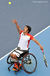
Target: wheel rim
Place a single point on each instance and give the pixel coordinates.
(29, 67)
(9, 60)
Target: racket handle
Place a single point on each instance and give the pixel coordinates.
(45, 61)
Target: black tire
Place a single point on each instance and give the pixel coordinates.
(9, 60)
(24, 68)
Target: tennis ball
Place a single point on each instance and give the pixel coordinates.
(9, 3)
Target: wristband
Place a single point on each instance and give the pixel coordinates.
(43, 52)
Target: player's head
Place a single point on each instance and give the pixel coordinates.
(27, 29)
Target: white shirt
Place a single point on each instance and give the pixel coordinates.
(24, 40)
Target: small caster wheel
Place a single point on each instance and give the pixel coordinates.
(15, 72)
(8, 69)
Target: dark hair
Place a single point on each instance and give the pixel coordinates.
(29, 28)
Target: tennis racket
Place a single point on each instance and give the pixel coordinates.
(45, 61)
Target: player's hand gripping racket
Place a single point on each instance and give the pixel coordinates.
(45, 61)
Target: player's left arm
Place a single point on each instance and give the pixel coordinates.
(37, 43)
(41, 49)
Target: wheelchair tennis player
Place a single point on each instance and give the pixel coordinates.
(23, 44)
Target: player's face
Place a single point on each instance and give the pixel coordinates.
(25, 30)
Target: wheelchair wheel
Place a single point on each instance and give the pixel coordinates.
(9, 59)
(29, 63)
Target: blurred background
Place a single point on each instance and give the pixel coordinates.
(35, 13)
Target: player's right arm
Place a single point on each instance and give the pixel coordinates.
(18, 27)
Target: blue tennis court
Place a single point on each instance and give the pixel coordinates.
(44, 38)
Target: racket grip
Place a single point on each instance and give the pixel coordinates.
(45, 61)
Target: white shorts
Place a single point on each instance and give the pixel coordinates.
(18, 53)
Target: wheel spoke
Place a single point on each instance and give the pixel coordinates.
(29, 67)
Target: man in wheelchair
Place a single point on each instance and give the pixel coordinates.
(17, 54)
(23, 44)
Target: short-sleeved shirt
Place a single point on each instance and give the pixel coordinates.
(24, 40)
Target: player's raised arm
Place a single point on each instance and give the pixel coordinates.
(18, 27)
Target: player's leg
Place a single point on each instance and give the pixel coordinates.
(13, 56)
(17, 65)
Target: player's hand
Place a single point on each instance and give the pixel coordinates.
(41, 47)
(14, 21)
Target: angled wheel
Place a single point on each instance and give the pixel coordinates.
(29, 63)
(9, 59)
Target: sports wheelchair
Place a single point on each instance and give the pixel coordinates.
(28, 61)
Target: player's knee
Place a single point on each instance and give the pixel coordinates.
(15, 56)
(11, 54)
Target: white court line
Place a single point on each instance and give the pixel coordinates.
(42, 31)
(34, 36)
